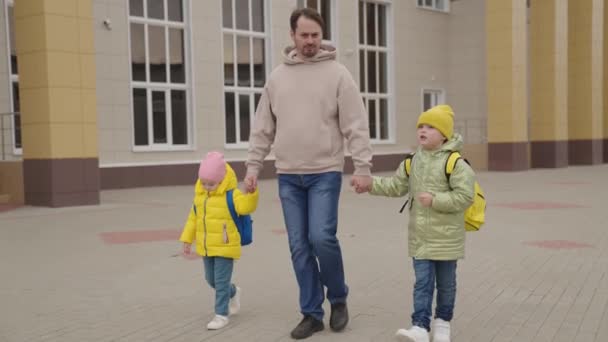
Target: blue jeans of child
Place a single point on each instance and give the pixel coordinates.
(428, 273)
(218, 272)
(310, 210)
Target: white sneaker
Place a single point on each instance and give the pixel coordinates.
(235, 302)
(441, 330)
(218, 322)
(413, 334)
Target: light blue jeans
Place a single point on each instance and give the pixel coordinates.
(428, 273)
(218, 272)
(310, 210)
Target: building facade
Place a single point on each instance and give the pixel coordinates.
(125, 93)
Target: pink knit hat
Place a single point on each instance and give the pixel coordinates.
(213, 167)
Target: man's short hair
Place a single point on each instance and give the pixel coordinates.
(308, 13)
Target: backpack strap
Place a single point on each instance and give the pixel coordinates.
(231, 208)
(450, 163)
(408, 163)
(408, 168)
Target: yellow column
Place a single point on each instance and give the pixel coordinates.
(506, 51)
(605, 88)
(585, 74)
(549, 83)
(56, 55)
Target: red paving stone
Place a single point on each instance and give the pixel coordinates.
(539, 205)
(119, 238)
(558, 244)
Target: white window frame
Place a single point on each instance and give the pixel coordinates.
(13, 78)
(333, 20)
(437, 96)
(388, 96)
(149, 86)
(239, 90)
(434, 6)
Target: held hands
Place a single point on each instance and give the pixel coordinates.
(187, 248)
(425, 198)
(361, 184)
(251, 183)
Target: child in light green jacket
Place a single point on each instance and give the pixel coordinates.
(436, 231)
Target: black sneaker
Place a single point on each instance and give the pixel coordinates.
(339, 317)
(308, 326)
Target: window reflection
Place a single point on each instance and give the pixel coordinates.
(179, 118)
(156, 9)
(157, 53)
(140, 112)
(176, 48)
(138, 52)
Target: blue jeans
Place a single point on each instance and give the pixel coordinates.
(427, 273)
(218, 272)
(310, 210)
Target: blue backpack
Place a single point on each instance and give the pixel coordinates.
(244, 223)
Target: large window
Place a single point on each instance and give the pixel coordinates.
(14, 76)
(326, 10)
(374, 65)
(437, 5)
(245, 61)
(159, 74)
(431, 98)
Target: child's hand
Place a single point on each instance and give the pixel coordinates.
(187, 248)
(425, 198)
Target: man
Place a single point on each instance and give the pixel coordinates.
(310, 105)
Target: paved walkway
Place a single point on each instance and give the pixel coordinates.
(537, 272)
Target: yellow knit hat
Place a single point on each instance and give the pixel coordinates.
(441, 117)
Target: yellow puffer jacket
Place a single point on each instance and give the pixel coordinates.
(211, 225)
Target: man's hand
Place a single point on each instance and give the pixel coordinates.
(251, 183)
(425, 198)
(187, 247)
(361, 184)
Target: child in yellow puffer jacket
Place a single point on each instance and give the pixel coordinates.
(210, 224)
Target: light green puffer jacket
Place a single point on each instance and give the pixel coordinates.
(436, 232)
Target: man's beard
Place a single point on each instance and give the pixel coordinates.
(310, 51)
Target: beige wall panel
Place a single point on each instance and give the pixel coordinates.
(38, 108)
(87, 71)
(61, 7)
(32, 28)
(38, 137)
(36, 75)
(63, 69)
(86, 36)
(65, 105)
(62, 33)
(29, 8)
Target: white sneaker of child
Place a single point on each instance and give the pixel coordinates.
(441, 330)
(218, 322)
(235, 302)
(413, 334)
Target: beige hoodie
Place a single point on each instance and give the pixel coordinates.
(307, 109)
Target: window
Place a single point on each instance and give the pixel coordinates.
(374, 66)
(245, 60)
(431, 98)
(436, 5)
(159, 74)
(14, 76)
(326, 10)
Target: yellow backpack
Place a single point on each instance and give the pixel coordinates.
(475, 215)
